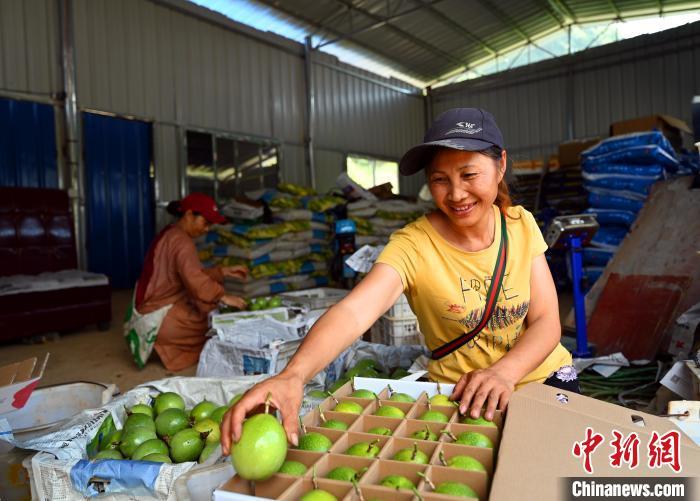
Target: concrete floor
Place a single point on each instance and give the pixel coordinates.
(91, 355)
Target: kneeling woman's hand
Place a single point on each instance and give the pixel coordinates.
(238, 271)
(234, 301)
(479, 387)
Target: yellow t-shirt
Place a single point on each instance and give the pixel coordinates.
(446, 288)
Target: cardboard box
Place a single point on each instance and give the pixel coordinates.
(541, 428)
(671, 127)
(570, 151)
(18, 380)
(533, 454)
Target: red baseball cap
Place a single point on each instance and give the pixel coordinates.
(205, 205)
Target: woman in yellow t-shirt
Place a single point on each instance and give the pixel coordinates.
(445, 263)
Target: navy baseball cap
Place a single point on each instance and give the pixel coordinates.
(468, 129)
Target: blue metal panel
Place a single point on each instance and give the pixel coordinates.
(27, 144)
(119, 190)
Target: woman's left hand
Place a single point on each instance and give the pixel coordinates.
(479, 387)
(239, 271)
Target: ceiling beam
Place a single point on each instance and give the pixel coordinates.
(378, 24)
(614, 8)
(459, 29)
(275, 4)
(561, 20)
(404, 34)
(562, 7)
(505, 19)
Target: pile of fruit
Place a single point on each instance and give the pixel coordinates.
(389, 440)
(256, 304)
(165, 432)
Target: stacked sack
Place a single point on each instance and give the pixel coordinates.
(290, 253)
(376, 220)
(618, 174)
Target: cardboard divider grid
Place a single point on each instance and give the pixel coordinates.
(313, 418)
(348, 439)
(272, 488)
(345, 392)
(331, 461)
(382, 469)
(366, 423)
(484, 456)
(419, 409)
(341, 490)
(497, 420)
(307, 458)
(405, 407)
(410, 426)
(329, 404)
(456, 429)
(397, 444)
(286, 487)
(438, 474)
(333, 435)
(377, 492)
(443, 497)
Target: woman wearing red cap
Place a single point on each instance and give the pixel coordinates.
(474, 273)
(175, 294)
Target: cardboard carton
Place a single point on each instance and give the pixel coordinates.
(18, 380)
(533, 455)
(542, 427)
(570, 151)
(671, 127)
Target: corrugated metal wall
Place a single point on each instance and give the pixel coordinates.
(27, 144)
(152, 60)
(355, 114)
(539, 106)
(29, 46)
(138, 57)
(119, 196)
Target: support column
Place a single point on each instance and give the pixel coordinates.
(310, 113)
(71, 129)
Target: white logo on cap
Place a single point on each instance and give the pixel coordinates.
(465, 128)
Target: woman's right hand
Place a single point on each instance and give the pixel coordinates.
(235, 301)
(287, 391)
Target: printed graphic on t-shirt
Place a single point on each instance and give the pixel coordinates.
(504, 314)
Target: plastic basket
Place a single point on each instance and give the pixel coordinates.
(313, 299)
(400, 331)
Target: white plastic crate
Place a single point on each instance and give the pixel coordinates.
(400, 331)
(314, 299)
(401, 308)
